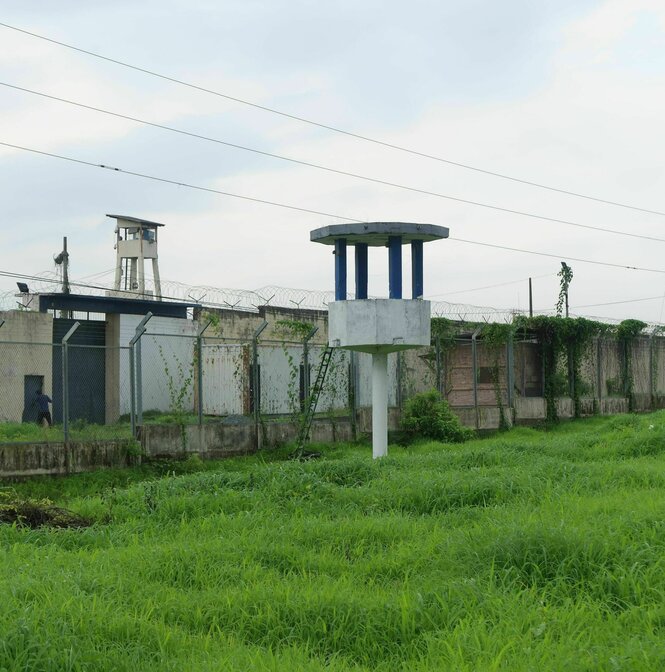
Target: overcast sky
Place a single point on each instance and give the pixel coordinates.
(569, 94)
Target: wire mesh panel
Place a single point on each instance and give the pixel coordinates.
(167, 368)
(280, 378)
(658, 371)
(335, 392)
(588, 375)
(459, 374)
(528, 369)
(610, 368)
(640, 374)
(418, 371)
(225, 368)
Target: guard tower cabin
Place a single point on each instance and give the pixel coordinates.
(136, 241)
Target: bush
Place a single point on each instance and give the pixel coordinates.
(428, 416)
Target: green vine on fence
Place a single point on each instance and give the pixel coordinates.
(626, 333)
(290, 331)
(495, 337)
(178, 389)
(561, 336)
(443, 331)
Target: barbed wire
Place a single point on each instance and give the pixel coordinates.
(248, 300)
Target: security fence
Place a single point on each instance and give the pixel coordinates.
(99, 391)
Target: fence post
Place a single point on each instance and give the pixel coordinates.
(510, 375)
(256, 378)
(652, 378)
(599, 367)
(135, 374)
(65, 382)
(474, 363)
(132, 389)
(439, 385)
(199, 370)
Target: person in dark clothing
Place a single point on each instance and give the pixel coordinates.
(43, 400)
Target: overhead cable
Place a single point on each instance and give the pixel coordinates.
(307, 210)
(334, 170)
(334, 129)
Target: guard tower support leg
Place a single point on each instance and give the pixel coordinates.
(395, 267)
(361, 270)
(340, 269)
(158, 284)
(379, 404)
(416, 269)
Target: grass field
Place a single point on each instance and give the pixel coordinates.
(533, 550)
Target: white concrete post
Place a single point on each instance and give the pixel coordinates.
(379, 405)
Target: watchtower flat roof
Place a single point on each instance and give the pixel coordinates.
(135, 220)
(376, 234)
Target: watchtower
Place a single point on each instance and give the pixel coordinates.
(379, 326)
(136, 241)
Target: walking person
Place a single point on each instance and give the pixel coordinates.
(43, 400)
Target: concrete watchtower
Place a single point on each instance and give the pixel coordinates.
(379, 326)
(136, 241)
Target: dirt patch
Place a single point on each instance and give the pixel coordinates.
(33, 514)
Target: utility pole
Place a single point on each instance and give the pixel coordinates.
(63, 258)
(530, 299)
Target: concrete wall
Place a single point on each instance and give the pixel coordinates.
(227, 439)
(25, 350)
(55, 459)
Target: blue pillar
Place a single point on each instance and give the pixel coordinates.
(361, 270)
(395, 267)
(416, 268)
(340, 269)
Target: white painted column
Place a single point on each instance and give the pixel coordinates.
(379, 405)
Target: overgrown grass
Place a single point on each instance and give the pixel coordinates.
(533, 550)
(22, 432)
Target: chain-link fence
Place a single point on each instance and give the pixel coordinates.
(87, 389)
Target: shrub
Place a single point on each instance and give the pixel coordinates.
(428, 416)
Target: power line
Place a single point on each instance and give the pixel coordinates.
(334, 129)
(500, 284)
(332, 170)
(307, 210)
(180, 184)
(616, 303)
(559, 256)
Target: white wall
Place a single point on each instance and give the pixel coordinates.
(224, 375)
(167, 362)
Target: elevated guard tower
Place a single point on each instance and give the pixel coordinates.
(379, 326)
(136, 241)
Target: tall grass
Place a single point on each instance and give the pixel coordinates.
(534, 550)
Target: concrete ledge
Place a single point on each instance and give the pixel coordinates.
(55, 459)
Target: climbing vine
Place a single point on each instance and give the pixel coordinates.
(495, 337)
(443, 335)
(566, 277)
(626, 333)
(561, 336)
(290, 331)
(179, 385)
